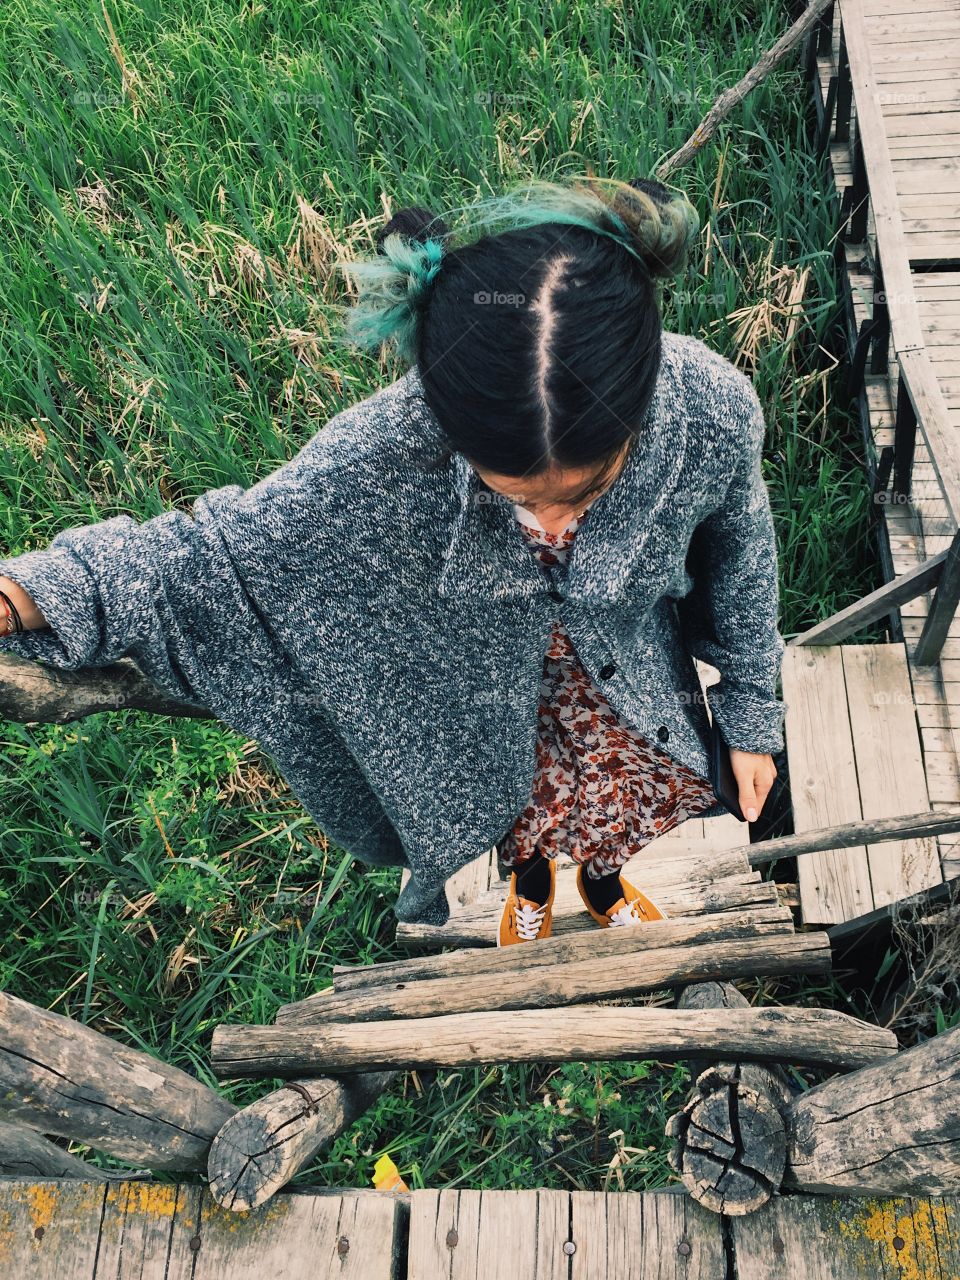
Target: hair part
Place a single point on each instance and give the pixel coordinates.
(538, 340)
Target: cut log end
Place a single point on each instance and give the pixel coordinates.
(263, 1146)
(730, 1145)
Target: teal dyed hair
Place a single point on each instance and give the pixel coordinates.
(655, 226)
(393, 288)
(658, 232)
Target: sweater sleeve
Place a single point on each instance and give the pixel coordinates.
(188, 597)
(729, 618)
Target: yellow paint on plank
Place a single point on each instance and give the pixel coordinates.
(908, 1240)
(149, 1199)
(215, 1215)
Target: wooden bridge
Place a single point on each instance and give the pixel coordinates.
(874, 730)
(854, 1176)
(60, 1229)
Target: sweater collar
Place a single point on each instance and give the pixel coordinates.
(488, 557)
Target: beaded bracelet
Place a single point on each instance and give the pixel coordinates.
(12, 616)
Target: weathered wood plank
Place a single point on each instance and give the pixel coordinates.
(476, 926)
(833, 1238)
(50, 1228)
(889, 765)
(824, 786)
(58, 1229)
(585, 1033)
(553, 1235)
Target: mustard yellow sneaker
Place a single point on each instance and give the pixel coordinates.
(524, 920)
(633, 907)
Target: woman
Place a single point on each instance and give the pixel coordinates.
(466, 612)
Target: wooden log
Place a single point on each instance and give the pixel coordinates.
(476, 925)
(33, 693)
(490, 961)
(730, 1137)
(585, 1033)
(568, 982)
(885, 1130)
(63, 1078)
(263, 1146)
(24, 1153)
(846, 835)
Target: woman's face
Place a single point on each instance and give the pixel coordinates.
(557, 495)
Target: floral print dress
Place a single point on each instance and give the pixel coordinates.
(601, 791)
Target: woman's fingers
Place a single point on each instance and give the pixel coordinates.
(754, 774)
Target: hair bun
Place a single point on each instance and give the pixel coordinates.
(395, 283)
(662, 224)
(412, 223)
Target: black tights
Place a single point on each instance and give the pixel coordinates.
(533, 882)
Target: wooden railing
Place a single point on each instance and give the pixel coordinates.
(895, 320)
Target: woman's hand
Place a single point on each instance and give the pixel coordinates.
(754, 774)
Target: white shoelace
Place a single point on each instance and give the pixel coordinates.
(529, 919)
(627, 915)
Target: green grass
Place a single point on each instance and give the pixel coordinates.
(170, 325)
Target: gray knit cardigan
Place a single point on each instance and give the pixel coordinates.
(370, 614)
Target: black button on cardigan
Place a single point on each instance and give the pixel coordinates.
(663, 733)
(557, 595)
(607, 671)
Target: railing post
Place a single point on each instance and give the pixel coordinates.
(858, 361)
(946, 597)
(904, 443)
(823, 132)
(861, 192)
(880, 351)
(844, 91)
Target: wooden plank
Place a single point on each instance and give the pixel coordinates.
(348, 1235)
(644, 1236)
(876, 8)
(146, 1229)
(53, 1230)
(835, 885)
(889, 761)
(50, 1229)
(882, 36)
(945, 123)
(883, 194)
(927, 395)
(555, 1235)
(487, 963)
(922, 180)
(906, 98)
(838, 1238)
(922, 57)
(471, 1234)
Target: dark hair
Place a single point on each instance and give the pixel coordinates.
(539, 345)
